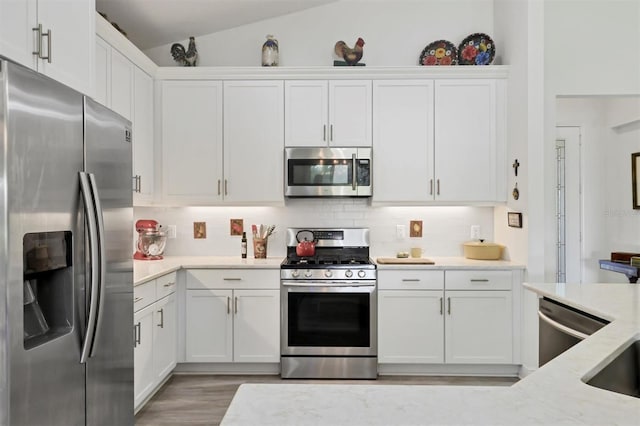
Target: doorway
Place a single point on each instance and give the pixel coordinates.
(568, 205)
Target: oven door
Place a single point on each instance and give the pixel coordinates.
(328, 172)
(329, 318)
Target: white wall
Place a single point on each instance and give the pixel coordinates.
(444, 228)
(575, 30)
(395, 33)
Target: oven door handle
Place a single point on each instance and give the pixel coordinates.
(336, 284)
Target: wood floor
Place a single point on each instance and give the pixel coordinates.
(203, 399)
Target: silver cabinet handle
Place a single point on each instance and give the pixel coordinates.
(38, 41)
(161, 312)
(430, 186)
(324, 131)
(236, 305)
(441, 305)
(232, 279)
(563, 328)
(137, 334)
(48, 36)
(449, 305)
(218, 186)
(169, 284)
(331, 133)
(479, 280)
(228, 305)
(137, 299)
(410, 280)
(139, 183)
(226, 187)
(438, 187)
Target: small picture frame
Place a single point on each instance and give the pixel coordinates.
(236, 226)
(514, 219)
(415, 229)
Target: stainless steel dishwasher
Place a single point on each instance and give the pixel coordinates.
(561, 327)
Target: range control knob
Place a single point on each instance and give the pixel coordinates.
(361, 273)
(328, 273)
(348, 273)
(295, 273)
(307, 273)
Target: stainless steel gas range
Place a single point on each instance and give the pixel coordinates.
(329, 307)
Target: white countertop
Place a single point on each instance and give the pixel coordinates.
(553, 395)
(145, 270)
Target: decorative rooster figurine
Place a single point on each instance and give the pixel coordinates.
(350, 56)
(188, 58)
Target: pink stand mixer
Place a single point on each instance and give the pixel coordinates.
(151, 240)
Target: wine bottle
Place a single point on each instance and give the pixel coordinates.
(243, 246)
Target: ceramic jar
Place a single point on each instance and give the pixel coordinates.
(270, 52)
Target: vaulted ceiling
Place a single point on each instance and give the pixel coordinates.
(151, 23)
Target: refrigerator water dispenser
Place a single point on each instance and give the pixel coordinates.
(47, 287)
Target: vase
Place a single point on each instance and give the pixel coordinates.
(270, 52)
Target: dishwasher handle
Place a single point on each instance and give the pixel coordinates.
(563, 328)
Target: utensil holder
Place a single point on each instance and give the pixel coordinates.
(260, 248)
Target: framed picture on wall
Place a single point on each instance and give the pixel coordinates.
(635, 179)
(514, 219)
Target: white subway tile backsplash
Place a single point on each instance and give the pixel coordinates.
(444, 228)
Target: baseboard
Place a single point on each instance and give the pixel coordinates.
(499, 370)
(227, 368)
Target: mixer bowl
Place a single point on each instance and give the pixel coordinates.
(151, 243)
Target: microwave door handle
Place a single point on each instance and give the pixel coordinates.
(353, 172)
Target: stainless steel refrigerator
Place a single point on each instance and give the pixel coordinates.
(66, 281)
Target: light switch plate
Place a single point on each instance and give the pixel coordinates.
(400, 231)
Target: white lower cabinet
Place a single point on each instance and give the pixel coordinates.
(155, 335)
(451, 317)
(233, 316)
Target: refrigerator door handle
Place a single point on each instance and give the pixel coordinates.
(87, 200)
(102, 258)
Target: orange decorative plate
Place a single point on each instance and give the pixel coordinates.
(440, 52)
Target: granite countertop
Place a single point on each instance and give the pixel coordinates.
(554, 394)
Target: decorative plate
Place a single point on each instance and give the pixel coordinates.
(476, 49)
(440, 52)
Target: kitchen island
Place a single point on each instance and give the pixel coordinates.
(554, 394)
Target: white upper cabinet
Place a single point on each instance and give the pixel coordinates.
(439, 141)
(143, 146)
(403, 140)
(466, 138)
(253, 141)
(121, 85)
(328, 113)
(103, 72)
(54, 37)
(191, 120)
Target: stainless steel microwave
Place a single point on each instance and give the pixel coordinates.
(327, 172)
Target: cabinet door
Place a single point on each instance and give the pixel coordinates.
(256, 326)
(350, 113)
(72, 25)
(143, 148)
(165, 337)
(103, 72)
(253, 141)
(403, 135)
(410, 326)
(121, 84)
(306, 108)
(209, 330)
(465, 140)
(17, 18)
(478, 327)
(192, 142)
(143, 377)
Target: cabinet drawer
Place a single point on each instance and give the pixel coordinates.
(478, 280)
(165, 285)
(410, 280)
(144, 295)
(233, 278)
